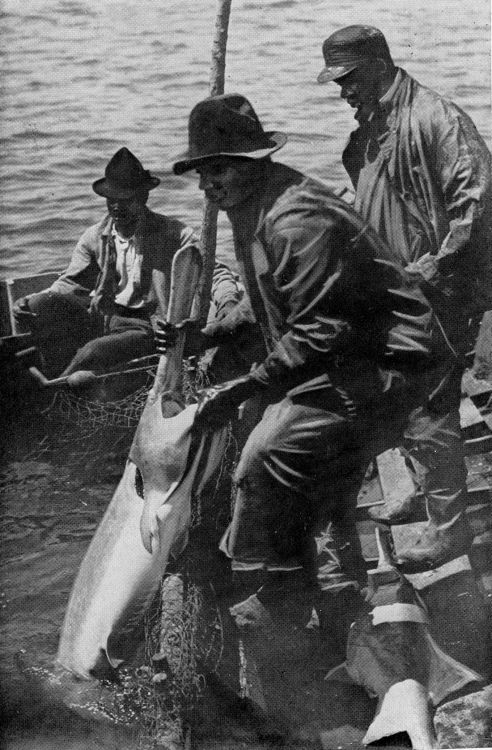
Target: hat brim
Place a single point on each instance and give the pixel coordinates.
(184, 163)
(107, 190)
(332, 72)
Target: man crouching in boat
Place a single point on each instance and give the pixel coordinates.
(325, 298)
(99, 313)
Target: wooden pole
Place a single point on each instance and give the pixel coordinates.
(209, 224)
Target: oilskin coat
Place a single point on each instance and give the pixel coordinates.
(422, 175)
(334, 311)
(323, 286)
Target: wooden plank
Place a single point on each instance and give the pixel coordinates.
(482, 365)
(479, 484)
(473, 386)
(396, 481)
(481, 444)
(487, 418)
(5, 322)
(12, 289)
(469, 414)
(479, 464)
(429, 577)
(368, 541)
(370, 494)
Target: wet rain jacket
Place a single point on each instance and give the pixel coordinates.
(422, 175)
(321, 284)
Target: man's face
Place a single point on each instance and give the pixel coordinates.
(126, 210)
(360, 88)
(228, 182)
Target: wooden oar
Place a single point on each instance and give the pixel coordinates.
(209, 223)
(82, 377)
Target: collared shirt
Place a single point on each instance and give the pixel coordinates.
(157, 239)
(128, 270)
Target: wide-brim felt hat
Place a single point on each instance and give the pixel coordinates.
(124, 176)
(350, 47)
(226, 125)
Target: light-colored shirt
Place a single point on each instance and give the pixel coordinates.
(128, 269)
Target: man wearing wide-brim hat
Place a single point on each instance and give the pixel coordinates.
(101, 310)
(325, 306)
(422, 179)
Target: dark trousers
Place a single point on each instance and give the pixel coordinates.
(70, 339)
(302, 466)
(300, 469)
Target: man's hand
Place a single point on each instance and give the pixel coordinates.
(232, 319)
(21, 311)
(166, 334)
(425, 268)
(218, 404)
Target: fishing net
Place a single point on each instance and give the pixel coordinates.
(155, 698)
(96, 409)
(86, 431)
(104, 405)
(87, 442)
(184, 635)
(91, 414)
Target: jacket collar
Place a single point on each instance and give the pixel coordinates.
(387, 101)
(142, 226)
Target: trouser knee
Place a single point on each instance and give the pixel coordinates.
(88, 357)
(61, 326)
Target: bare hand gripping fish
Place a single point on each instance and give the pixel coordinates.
(149, 515)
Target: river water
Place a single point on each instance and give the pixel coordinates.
(82, 79)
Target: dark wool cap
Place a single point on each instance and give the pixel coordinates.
(347, 48)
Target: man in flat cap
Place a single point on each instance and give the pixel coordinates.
(422, 179)
(100, 311)
(331, 308)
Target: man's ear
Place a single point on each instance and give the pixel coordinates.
(384, 67)
(142, 196)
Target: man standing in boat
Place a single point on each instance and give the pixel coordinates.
(422, 180)
(100, 312)
(324, 296)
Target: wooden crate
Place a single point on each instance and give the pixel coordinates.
(12, 289)
(476, 425)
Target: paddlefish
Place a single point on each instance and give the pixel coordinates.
(149, 515)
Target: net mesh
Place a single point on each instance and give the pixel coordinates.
(97, 409)
(184, 636)
(91, 414)
(155, 698)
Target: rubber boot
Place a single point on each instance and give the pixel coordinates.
(439, 543)
(276, 648)
(447, 534)
(336, 611)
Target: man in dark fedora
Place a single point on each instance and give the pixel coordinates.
(100, 311)
(325, 297)
(422, 180)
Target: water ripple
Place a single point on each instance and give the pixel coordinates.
(82, 79)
